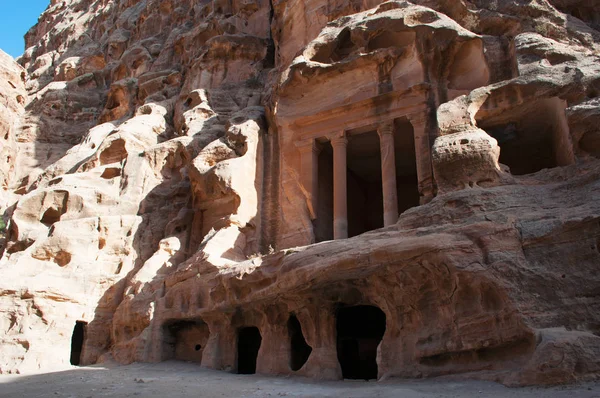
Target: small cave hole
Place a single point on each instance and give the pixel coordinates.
(110, 173)
(56, 181)
(300, 350)
(62, 258)
(114, 153)
(360, 329)
(77, 342)
(249, 341)
(145, 110)
(184, 340)
(51, 216)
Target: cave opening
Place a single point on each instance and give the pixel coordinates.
(360, 329)
(249, 341)
(77, 340)
(300, 350)
(184, 340)
(521, 152)
(533, 138)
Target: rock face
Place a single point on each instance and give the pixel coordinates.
(326, 188)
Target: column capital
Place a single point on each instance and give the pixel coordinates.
(339, 138)
(385, 128)
(418, 118)
(308, 145)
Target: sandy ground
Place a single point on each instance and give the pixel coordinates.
(177, 379)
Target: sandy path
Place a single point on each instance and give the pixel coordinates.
(176, 379)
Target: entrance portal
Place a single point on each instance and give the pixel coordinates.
(359, 332)
(249, 340)
(365, 198)
(77, 342)
(323, 226)
(300, 350)
(406, 165)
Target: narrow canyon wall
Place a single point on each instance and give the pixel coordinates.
(172, 187)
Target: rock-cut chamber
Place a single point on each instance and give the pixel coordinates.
(185, 340)
(77, 340)
(359, 332)
(248, 344)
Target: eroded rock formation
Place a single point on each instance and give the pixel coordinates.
(327, 188)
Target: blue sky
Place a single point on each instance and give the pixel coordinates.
(16, 18)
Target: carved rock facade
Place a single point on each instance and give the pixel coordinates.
(333, 189)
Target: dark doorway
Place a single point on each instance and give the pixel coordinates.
(77, 342)
(323, 225)
(359, 332)
(407, 184)
(300, 350)
(249, 340)
(365, 197)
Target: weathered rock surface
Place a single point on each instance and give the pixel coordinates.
(13, 95)
(174, 173)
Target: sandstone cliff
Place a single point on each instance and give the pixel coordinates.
(175, 172)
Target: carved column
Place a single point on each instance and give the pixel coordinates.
(309, 172)
(423, 156)
(339, 142)
(388, 173)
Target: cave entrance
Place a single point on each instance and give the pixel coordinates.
(359, 332)
(533, 138)
(249, 340)
(185, 340)
(300, 350)
(77, 342)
